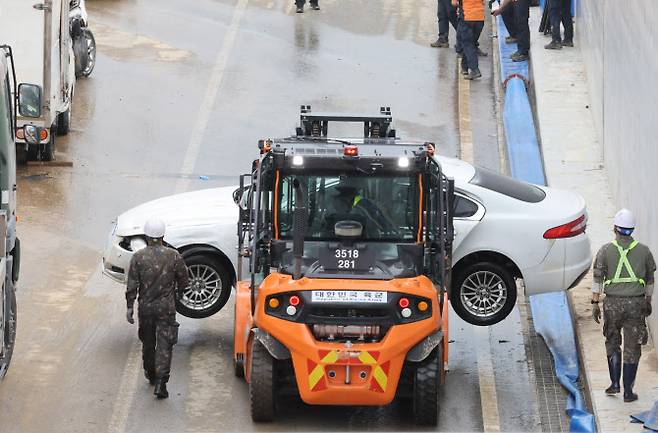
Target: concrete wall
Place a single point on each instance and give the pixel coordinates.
(619, 40)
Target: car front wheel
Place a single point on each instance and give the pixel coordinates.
(209, 287)
(483, 293)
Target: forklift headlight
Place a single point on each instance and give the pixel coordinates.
(31, 134)
(298, 160)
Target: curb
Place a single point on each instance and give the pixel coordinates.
(527, 164)
(584, 373)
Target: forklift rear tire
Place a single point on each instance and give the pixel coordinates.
(426, 388)
(261, 383)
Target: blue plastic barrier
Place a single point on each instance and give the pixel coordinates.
(551, 314)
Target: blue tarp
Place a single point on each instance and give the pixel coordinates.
(648, 418)
(551, 312)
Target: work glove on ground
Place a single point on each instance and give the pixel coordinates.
(129, 316)
(596, 313)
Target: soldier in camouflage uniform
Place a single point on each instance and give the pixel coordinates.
(624, 269)
(154, 274)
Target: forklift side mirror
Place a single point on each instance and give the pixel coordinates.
(29, 100)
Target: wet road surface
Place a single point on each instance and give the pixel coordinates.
(183, 90)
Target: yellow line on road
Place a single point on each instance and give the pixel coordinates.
(129, 378)
(488, 394)
(126, 393)
(464, 108)
(210, 96)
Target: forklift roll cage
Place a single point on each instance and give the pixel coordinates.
(255, 226)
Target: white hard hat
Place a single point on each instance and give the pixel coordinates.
(154, 228)
(624, 219)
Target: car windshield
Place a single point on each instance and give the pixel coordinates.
(508, 186)
(385, 207)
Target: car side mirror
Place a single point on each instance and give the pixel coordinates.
(29, 100)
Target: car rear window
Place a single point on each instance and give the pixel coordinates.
(508, 186)
(463, 207)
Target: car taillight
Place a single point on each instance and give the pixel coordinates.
(568, 230)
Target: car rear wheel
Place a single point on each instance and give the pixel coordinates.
(9, 329)
(261, 383)
(426, 382)
(483, 294)
(209, 287)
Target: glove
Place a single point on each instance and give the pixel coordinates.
(596, 313)
(129, 316)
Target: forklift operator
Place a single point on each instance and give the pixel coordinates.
(350, 202)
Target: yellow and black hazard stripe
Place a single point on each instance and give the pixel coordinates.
(317, 380)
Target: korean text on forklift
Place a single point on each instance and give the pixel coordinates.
(345, 301)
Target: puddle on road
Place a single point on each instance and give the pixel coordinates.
(122, 45)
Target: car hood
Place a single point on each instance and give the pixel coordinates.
(197, 208)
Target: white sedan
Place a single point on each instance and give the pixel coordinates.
(504, 230)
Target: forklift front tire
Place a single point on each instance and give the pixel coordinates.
(261, 384)
(426, 388)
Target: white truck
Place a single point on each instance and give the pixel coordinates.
(10, 247)
(40, 38)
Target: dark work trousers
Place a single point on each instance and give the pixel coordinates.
(446, 14)
(302, 2)
(510, 20)
(468, 33)
(155, 335)
(522, 14)
(559, 11)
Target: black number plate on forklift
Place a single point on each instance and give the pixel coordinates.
(347, 259)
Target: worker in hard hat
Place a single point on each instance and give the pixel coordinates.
(155, 273)
(624, 271)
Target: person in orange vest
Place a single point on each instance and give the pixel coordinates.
(471, 23)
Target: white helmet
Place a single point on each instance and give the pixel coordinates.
(154, 228)
(624, 219)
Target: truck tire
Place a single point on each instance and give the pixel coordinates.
(16, 255)
(90, 47)
(48, 150)
(9, 330)
(500, 291)
(209, 289)
(261, 384)
(426, 388)
(64, 122)
(21, 154)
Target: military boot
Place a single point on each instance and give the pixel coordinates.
(614, 367)
(150, 376)
(160, 390)
(630, 371)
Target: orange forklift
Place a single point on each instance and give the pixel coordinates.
(348, 244)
